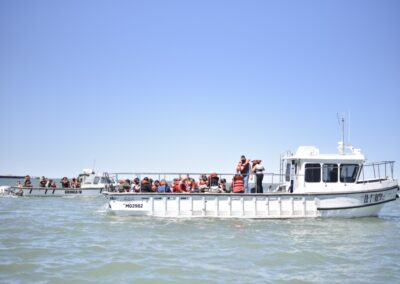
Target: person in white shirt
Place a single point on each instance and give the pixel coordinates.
(258, 171)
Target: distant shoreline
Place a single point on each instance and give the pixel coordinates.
(11, 176)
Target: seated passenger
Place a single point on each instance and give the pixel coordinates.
(213, 180)
(176, 185)
(222, 185)
(163, 187)
(27, 181)
(126, 186)
(238, 184)
(51, 184)
(145, 186)
(135, 185)
(65, 183)
(42, 182)
(73, 183)
(19, 192)
(179, 185)
(190, 185)
(155, 186)
(203, 183)
(78, 183)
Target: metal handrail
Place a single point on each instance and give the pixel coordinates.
(376, 170)
(181, 173)
(164, 175)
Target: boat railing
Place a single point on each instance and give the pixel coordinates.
(270, 180)
(376, 172)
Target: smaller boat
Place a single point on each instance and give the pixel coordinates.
(5, 190)
(92, 184)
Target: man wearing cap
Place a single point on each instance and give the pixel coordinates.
(243, 168)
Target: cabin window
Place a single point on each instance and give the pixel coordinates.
(287, 175)
(348, 173)
(105, 180)
(330, 173)
(96, 180)
(313, 173)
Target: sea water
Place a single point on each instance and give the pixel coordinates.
(76, 240)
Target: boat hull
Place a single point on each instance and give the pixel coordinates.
(42, 191)
(264, 206)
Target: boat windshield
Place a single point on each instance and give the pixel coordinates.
(106, 180)
(348, 172)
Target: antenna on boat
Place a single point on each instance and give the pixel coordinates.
(94, 165)
(348, 127)
(341, 143)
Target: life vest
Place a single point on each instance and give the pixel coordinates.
(65, 183)
(238, 184)
(176, 187)
(243, 168)
(183, 187)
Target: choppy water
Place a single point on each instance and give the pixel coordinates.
(61, 240)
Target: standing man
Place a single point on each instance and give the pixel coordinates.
(243, 168)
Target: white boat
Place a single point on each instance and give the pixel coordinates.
(5, 190)
(92, 184)
(314, 185)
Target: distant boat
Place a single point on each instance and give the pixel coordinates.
(313, 185)
(92, 184)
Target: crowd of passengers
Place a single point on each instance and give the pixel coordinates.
(211, 183)
(49, 183)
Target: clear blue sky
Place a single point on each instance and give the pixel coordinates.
(192, 85)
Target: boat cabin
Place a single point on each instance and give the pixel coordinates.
(89, 178)
(310, 171)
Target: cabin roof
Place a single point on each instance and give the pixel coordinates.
(311, 153)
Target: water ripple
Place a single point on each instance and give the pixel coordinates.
(59, 240)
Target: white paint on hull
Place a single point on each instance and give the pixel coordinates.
(43, 191)
(272, 205)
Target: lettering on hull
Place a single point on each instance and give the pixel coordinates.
(373, 197)
(133, 205)
(73, 191)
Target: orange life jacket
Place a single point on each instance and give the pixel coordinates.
(243, 168)
(176, 187)
(238, 184)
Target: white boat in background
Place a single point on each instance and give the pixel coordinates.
(92, 184)
(5, 190)
(314, 185)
